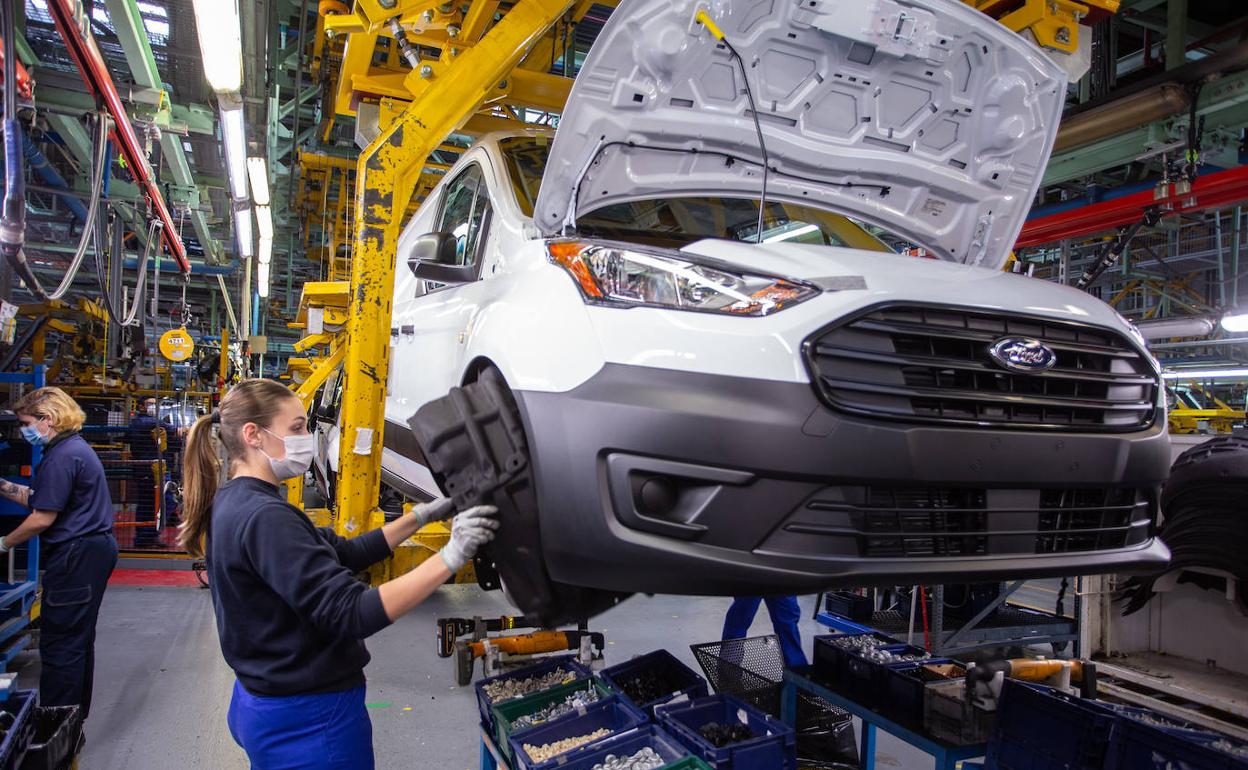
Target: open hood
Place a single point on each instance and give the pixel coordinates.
(924, 117)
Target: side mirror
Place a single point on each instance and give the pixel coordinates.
(433, 259)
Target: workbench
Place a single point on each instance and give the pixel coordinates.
(947, 756)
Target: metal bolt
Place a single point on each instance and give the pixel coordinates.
(454, 52)
(502, 86)
(386, 3)
(1063, 35)
(427, 17)
(445, 8)
(329, 33)
(426, 71)
(452, 30)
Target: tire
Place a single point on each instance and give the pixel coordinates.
(475, 442)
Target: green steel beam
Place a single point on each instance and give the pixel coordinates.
(128, 22)
(1176, 33)
(1224, 105)
(181, 118)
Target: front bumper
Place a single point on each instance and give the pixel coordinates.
(655, 480)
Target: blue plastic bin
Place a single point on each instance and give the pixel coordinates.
(775, 748)
(1136, 745)
(614, 714)
(486, 706)
(21, 704)
(626, 745)
(1039, 728)
(686, 683)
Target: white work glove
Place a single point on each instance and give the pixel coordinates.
(4, 547)
(442, 508)
(469, 531)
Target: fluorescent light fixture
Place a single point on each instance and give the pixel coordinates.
(1205, 374)
(1235, 321)
(264, 222)
(259, 180)
(220, 44)
(265, 253)
(234, 139)
(242, 232)
(791, 234)
(262, 279)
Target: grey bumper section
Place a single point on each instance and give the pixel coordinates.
(670, 482)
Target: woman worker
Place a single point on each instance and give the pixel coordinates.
(72, 511)
(291, 615)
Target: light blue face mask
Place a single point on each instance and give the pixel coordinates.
(32, 435)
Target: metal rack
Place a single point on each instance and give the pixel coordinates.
(998, 624)
(17, 597)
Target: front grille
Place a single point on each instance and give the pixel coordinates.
(899, 522)
(933, 365)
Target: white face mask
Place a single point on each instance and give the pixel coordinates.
(299, 453)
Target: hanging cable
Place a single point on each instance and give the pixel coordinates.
(88, 229)
(13, 223)
(126, 317)
(704, 18)
(153, 233)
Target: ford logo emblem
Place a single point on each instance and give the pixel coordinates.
(1023, 354)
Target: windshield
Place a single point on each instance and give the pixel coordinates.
(676, 222)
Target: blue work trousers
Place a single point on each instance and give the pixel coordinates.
(329, 731)
(784, 612)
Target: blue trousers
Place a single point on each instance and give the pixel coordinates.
(330, 731)
(784, 613)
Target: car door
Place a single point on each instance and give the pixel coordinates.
(432, 320)
(427, 355)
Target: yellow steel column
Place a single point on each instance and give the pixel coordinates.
(387, 174)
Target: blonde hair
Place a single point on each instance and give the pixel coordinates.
(253, 400)
(52, 404)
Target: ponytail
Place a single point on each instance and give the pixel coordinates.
(256, 401)
(201, 473)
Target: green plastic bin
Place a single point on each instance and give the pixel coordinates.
(505, 714)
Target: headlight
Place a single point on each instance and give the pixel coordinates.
(621, 276)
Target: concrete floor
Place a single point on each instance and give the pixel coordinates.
(162, 687)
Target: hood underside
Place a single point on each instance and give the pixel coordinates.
(924, 117)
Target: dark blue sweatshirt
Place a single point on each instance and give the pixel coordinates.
(290, 613)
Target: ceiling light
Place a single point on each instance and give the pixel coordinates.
(259, 180)
(220, 44)
(242, 232)
(265, 252)
(1235, 321)
(234, 138)
(262, 279)
(1205, 374)
(264, 222)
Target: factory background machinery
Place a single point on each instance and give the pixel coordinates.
(174, 224)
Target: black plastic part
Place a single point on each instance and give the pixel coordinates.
(476, 447)
(1204, 526)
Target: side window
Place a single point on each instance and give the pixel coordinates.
(465, 213)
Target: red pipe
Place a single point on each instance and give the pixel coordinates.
(1212, 191)
(81, 45)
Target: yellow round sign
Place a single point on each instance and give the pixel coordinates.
(176, 345)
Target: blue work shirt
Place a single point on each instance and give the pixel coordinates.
(70, 483)
(290, 614)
